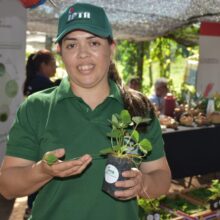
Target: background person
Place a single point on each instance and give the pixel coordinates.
(71, 121)
(40, 67)
(160, 91)
(135, 83)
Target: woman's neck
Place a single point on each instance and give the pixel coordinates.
(92, 96)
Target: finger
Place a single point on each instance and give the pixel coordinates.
(59, 152)
(86, 161)
(69, 172)
(126, 194)
(85, 158)
(72, 167)
(126, 183)
(131, 173)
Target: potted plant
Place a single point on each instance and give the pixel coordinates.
(126, 150)
(214, 199)
(150, 210)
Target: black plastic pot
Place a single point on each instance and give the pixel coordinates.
(215, 204)
(113, 173)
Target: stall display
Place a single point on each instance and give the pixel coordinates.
(192, 151)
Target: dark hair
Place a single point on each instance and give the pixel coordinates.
(135, 102)
(134, 80)
(33, 66)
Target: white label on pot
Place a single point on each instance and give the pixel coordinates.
(111, 174)
(150, 217)
(156, 216)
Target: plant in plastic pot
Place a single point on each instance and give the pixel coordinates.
(149, 209)
(126, 151)
(214, 199)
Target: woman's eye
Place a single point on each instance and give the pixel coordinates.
(70, 46)
(95, 44)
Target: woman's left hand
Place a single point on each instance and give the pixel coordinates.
(132, 186)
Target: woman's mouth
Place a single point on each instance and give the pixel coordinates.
(85, 68)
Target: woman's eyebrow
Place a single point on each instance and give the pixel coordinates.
(76, 38)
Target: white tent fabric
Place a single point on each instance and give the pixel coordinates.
(132, 19)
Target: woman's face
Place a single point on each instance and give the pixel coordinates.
(161, 90)
(86, 58)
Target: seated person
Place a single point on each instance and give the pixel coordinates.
(161, 89)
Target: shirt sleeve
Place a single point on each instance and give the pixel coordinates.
(154, 134)
(22, 140)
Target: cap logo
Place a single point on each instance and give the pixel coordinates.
(77, 15)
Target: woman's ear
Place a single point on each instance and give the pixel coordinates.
(58, 49)
(113, 48)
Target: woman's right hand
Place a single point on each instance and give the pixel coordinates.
(65, 168)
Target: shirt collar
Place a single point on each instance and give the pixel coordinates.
(64, 91)
(115, 92)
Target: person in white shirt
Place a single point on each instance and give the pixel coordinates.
(161, 89)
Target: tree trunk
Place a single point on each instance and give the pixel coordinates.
(140, 61)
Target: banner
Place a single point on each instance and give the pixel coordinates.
(208, 78)
(12, 64)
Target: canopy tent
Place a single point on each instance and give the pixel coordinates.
(132, 19)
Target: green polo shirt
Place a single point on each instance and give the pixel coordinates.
(56, 118)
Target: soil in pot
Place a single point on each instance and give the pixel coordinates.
(113, 173)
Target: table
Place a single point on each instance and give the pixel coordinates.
(193, 150)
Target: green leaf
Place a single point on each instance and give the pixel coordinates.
(106, 151)
(116, 148)
(114, 119)
(115, 133)
(145, 146)
(125, 117)
(135, 136)
(50, 158)
(122, 125)
(137, 120)
(123, 149)
(115, 125)
(146, 120)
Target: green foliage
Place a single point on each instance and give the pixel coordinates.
(163, 56)
(186, 94)
(182, 205)
(127, 55)
(200, 193)
(217, 102)
(149, 205)
(215, 189)
(125, 138)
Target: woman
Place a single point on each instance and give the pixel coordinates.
(71, 121)
(39, 68)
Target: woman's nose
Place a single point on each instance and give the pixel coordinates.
(83, 51)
